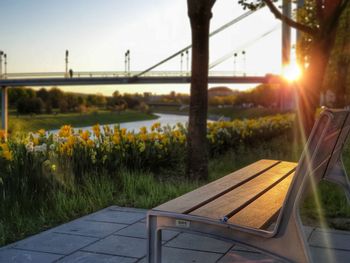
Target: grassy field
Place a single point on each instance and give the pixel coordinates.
(146, 190)
(26, 123)
(233, 113)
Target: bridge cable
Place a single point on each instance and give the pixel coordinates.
(232, 22)
(247, 44)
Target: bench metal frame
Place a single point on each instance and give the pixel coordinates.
(287, 241)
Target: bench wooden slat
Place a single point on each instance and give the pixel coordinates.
(244, 194)
(258, 213)
(191, 200)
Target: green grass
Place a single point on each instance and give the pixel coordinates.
(236, 113)
(146, 190)
(335, 209)
(26, 123)
(233, 113)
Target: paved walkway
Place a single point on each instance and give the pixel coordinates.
(118, 234)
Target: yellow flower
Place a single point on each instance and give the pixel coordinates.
(2, 135)
(41, 132)
(143, 130)
(130, 137)
(4, 146)
(106, 129)
(165, 140)
(6, 153)
(36, 141)
(116, 129)
(116, 138)
(182, 138)
(71, 140)
(90, 143)
(155, 126)
(85, 135)
(123, 132)
(152, 136)
(143, 137)
(96, 130)
(65, 131)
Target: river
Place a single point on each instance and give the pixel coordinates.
(163, 119)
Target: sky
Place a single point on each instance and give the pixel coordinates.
(97, 33)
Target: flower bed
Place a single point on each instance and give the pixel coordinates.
(38, 162)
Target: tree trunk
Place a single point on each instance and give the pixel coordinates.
(311, 84)
(199, 12)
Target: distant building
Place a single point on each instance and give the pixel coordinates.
(220, 92)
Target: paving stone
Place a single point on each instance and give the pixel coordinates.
(323, 255)
(120, 246)
(176, 255)
(128, 209)
(244, 256)
(18, 256)
(88, 257)
(54, 243)
(89, 228)
(139, 230)
(330, 230)
(113, 216)
(243, 248)
(308, 231)
(330, 239)
(198, 242)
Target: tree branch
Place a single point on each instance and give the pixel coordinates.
(212, 2)
(274, 10)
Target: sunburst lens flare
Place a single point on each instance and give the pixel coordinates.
(291, 72)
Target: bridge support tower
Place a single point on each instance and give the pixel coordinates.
(286, 33)
(4, 110)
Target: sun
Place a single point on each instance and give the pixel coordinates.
(291, 72)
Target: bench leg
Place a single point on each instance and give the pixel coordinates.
(289, 245)
(295, 242)
(154, 240)
(338, 175)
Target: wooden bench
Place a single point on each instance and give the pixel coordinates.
(258, 205)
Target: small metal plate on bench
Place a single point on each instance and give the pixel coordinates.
(182, 223)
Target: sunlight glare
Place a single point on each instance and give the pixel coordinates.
(291, 72)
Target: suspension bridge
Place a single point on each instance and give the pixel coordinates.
(149, 75)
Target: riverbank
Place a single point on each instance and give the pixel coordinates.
(27, 123)
(215, 113)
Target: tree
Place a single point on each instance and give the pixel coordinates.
(15, 94)
(30, 105)
(199, 12)
(55, 95)
(43, 94)
(338, 69)
(320, 30)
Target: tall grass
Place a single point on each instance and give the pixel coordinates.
(20, 217)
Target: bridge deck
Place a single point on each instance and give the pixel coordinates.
(128, 80)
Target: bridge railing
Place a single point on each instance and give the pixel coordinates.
(109, 74)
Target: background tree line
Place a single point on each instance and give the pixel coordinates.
(54, 100)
